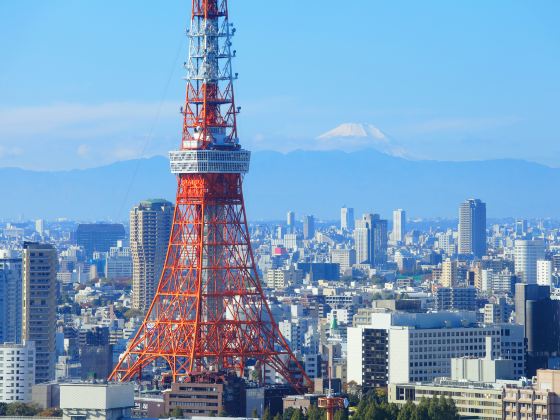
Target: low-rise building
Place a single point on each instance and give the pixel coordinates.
(207, 395)
(419, 347)
(541, 401)
(476, 386)
(90, 401)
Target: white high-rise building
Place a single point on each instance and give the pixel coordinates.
(347, 219)
(17, 371)
(362, 241)
(399, 225)
(544, 273)
(527, 253)
(40, 226)
(291, 221)
(150, 227)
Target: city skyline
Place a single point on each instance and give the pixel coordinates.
(329, 253)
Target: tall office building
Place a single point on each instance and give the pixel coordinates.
(521, 228)
(399, 225)
(150, 227)
(10, 297)
(99, 237)
(362, 239)
(291, 221)
(39, 262)
(308, 227)
(540, 316)
(370, 240)
(347, 218)
(527, 253)
(40, 226)
(472, 228)
(380, 237)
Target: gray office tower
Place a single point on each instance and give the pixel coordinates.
(10, 297)
(370, 238)
(150, 227)
(347, 218)
(291, 222)
(99, 237)
(308, 227)
(472, 228)
(540, 315)
(39, 306)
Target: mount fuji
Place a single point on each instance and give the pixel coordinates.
(358, 136)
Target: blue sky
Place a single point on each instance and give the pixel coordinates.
(84, 83)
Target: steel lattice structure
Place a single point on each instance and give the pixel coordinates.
(209, 312)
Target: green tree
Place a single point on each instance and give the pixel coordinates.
(3, 409)
(407, 412)
(22, 409)
(315, 413)
(133, 313)
(298, 415)
(50, 412)
(278, 416)
(341, 415)
(255, 413)
(176, 412)
(422, 410)
(442, 408)
(288, 413)
(266, 414)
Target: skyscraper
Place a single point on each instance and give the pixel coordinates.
(370, 240)
(10, 297)
(39, 262)
(40, 226)
(150, 227)
(540, 315)
(99, 237)
(527, 253)
(472, 228)
(308, 227)
(347, 218)
(379, 241)
(362, 239)
(291, 221)
(399, 225)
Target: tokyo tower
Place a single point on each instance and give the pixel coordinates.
(209, 313)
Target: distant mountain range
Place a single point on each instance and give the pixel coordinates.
(311, 182)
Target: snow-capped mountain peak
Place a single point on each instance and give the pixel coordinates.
(355, 130)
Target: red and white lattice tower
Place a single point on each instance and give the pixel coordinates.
(209, 313)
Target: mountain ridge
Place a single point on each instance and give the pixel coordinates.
(309, 182)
